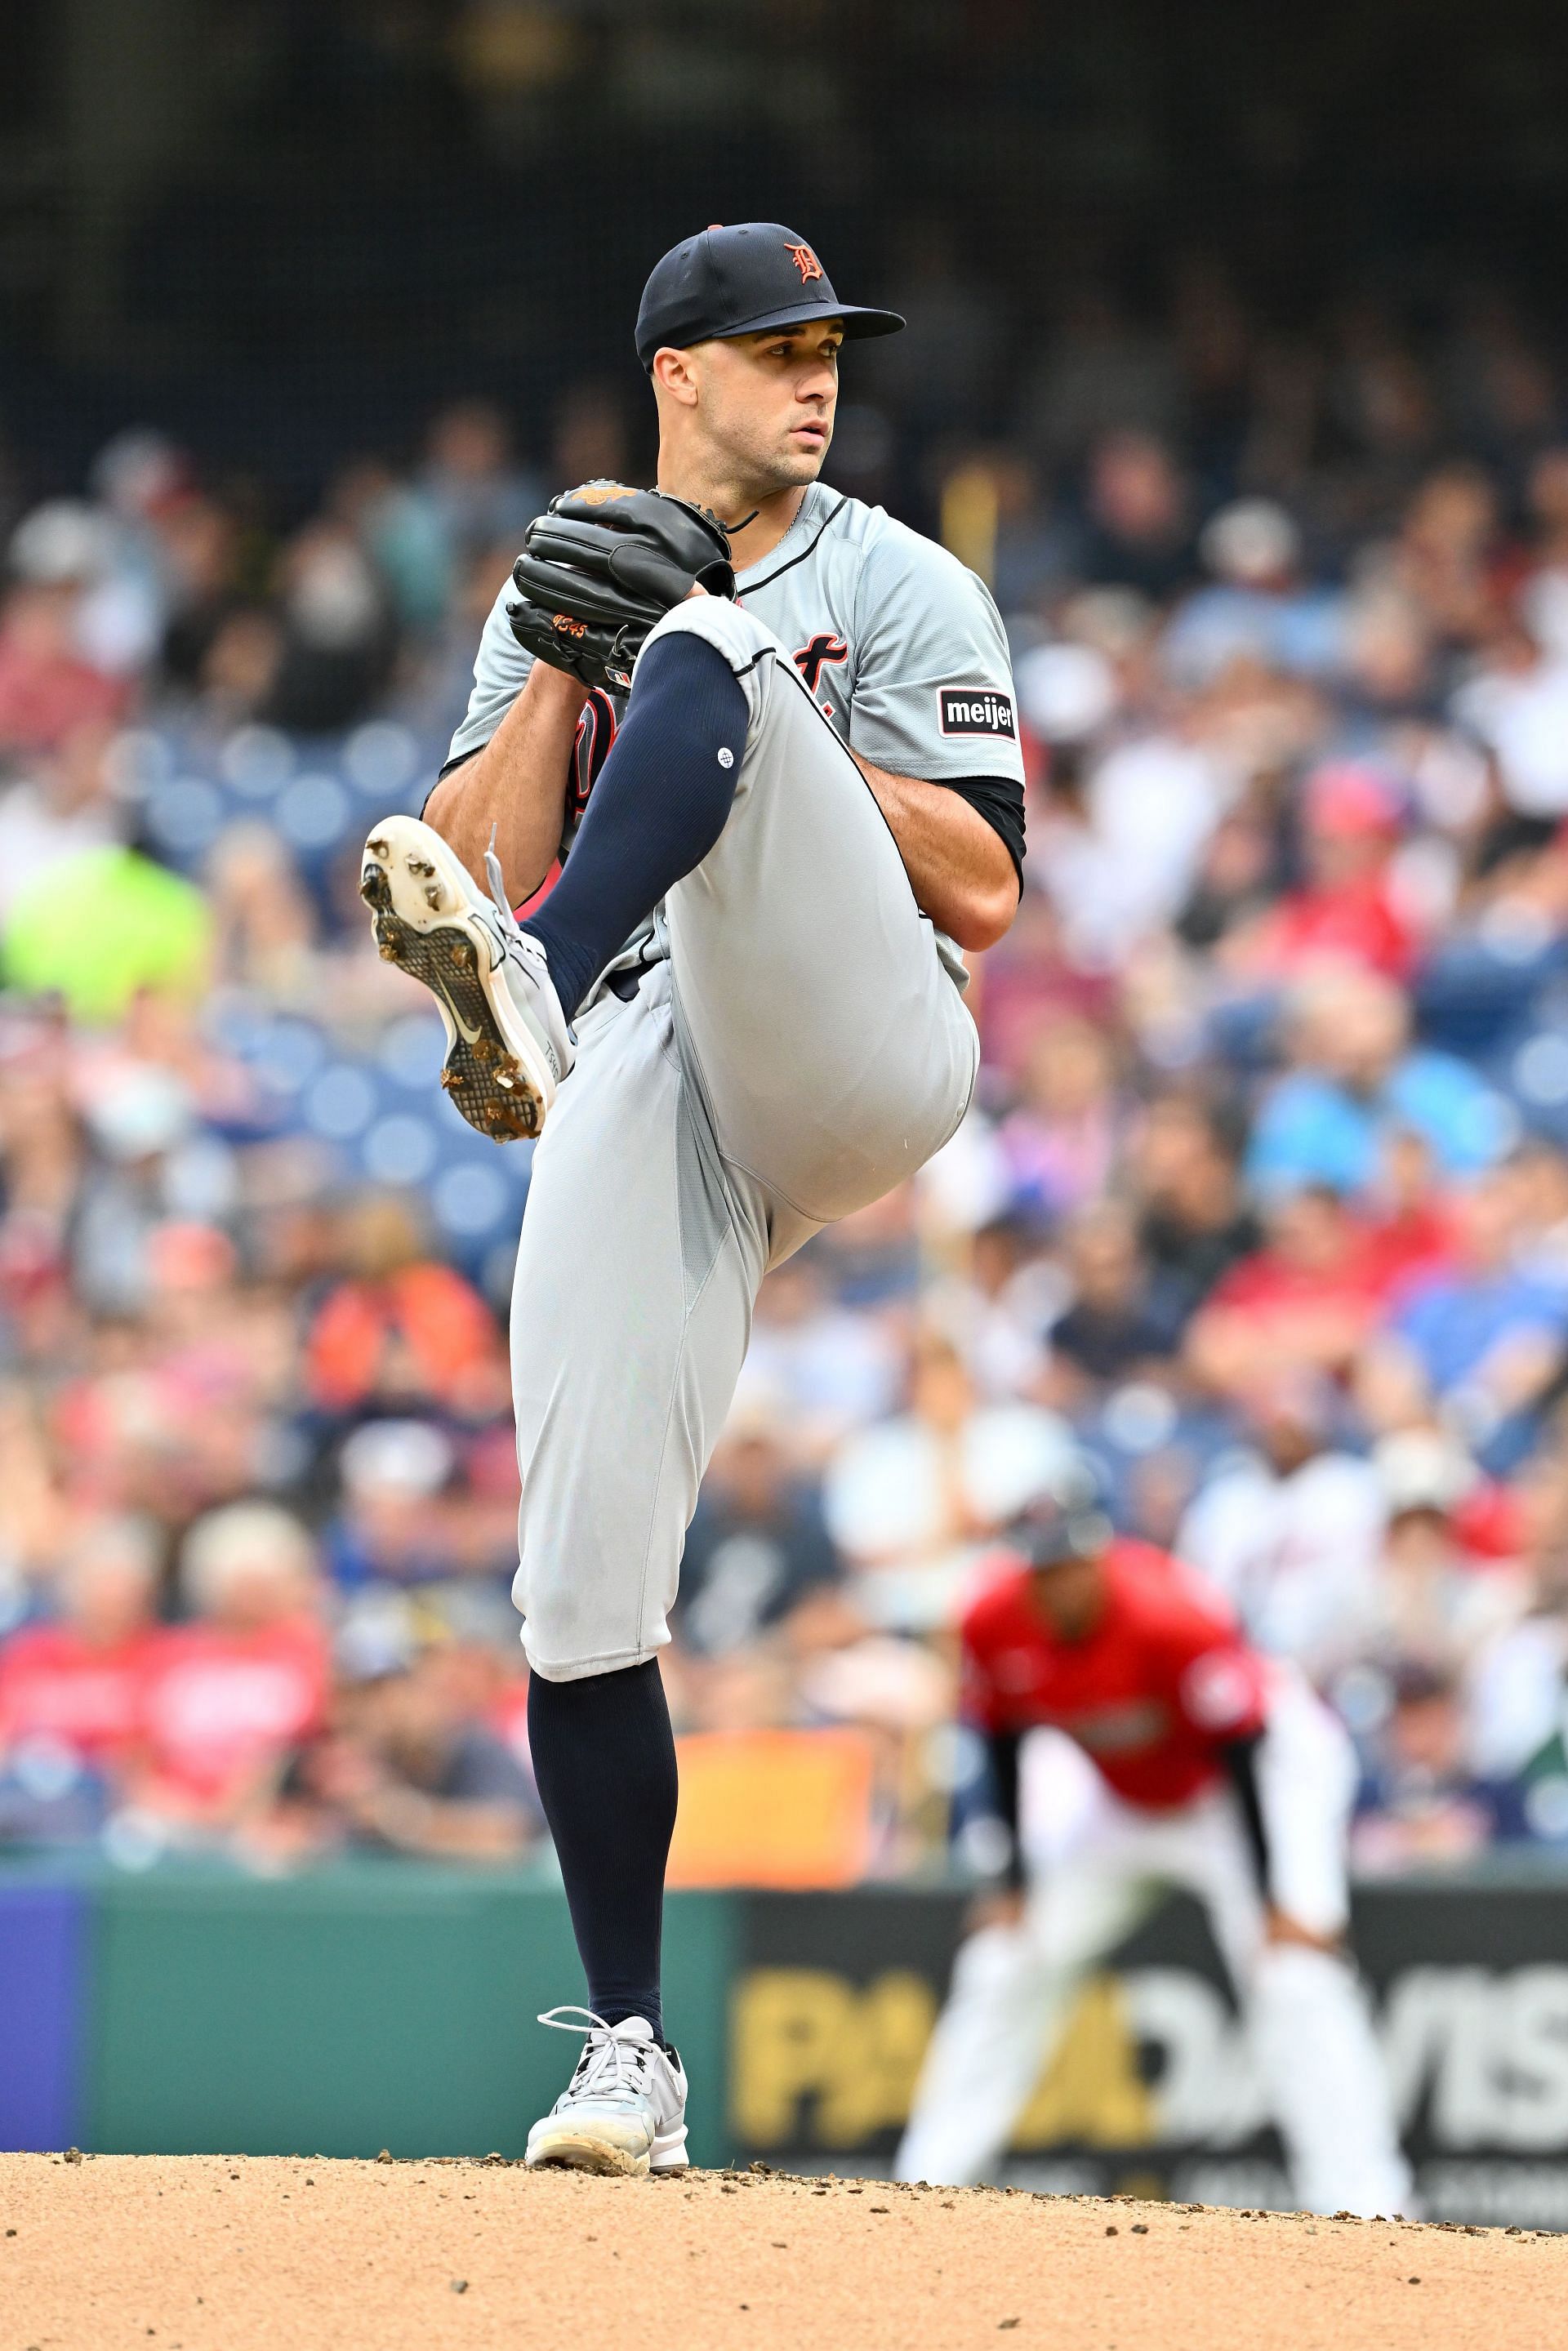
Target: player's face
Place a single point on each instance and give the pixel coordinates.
(1070, 1595)
(768, 402)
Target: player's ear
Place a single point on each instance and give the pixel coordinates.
(674, 374)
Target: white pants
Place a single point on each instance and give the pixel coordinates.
(1305, 2012)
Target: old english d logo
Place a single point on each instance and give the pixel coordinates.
(806, 262)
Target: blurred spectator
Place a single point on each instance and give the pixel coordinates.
(1060, 1141)
(911, 1501)
(1137, 522)
(337, 640)
(1517, 703)
(1309, 1299)
(1196, 1222)
(1112, 1327)
(1421, 1806)
(478, 494)
(233, 1690)
(403, 1326)
(409, 1764)
(1260, 605)
(66, 804)
(389, 1530)
(1487, 1337)
(1442, 1593)
(76, 1685)
(1356, 1080)
(1293, 1531)
(263, 916)
(757, 1551)
(1544, 599)
(46, 690)
(199, 557)
(997, 1307)
(1347, 906)
(833, 1370)
(1518, 1681)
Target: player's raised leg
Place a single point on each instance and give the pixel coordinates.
(812, 1005)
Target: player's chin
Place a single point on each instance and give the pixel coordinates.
(803, 456)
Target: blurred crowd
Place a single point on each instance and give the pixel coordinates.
(1264, 1198)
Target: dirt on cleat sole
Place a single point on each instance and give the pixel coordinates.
(585, 2154)
(482, 1076)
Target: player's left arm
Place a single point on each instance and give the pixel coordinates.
(933, 727)
(1220, 1688)
(1238, 1760)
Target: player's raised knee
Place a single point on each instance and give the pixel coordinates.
(732, 631)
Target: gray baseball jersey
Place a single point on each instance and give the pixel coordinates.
(792, 1046)
(900, 646)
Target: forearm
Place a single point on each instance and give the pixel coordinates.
(958, 866)
(517, 785)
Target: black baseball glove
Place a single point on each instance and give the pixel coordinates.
(601, 567)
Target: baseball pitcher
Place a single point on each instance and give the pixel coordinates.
(1215, 1771)
(773, 733)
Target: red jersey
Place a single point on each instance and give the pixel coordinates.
(54, 1685)
(1359, 922)
(218, 1704)
(1150, 1694)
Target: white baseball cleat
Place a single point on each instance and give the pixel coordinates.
(510, 1045)
(624, 2109)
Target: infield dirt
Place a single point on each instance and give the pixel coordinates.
(224, 2253)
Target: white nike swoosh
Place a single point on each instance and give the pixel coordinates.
(471, 1036)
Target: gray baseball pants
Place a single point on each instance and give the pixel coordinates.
(800, 1051)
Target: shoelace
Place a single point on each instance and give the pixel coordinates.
(498, 882)
(602, 2054)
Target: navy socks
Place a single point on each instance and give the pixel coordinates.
(604, 1760)
(659, 805)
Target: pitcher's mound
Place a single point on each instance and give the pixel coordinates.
(223, 2253)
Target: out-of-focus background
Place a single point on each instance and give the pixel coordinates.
(1237, 365)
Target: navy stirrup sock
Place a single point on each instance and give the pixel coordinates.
(604, 1760)
(661, 802)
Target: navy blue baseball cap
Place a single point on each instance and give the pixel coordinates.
(740, 281)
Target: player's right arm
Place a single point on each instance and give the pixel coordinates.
(510, 763)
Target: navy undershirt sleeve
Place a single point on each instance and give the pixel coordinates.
(661, 802)
(1000, 799)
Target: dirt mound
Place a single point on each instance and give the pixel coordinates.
(222, 2253)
